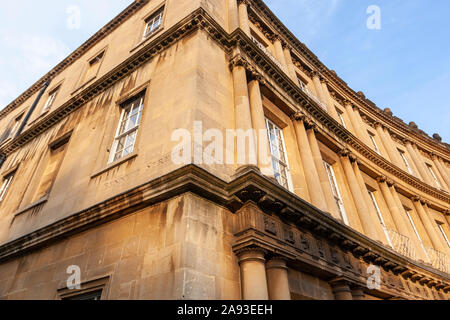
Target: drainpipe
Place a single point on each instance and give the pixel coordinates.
(30, 112)
(27, 117)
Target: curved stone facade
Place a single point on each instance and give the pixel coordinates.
(337, 198)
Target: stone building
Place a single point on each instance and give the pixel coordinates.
(353, 204)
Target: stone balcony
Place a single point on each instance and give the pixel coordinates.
(402, 244)
(438, 260)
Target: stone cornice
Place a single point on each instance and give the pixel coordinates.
(106, 30)
(291, 39)
(249, 185)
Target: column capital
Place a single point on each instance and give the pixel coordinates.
(382, 179)
(277, 262)
(244, 2)
(346, 153)
(418, 199)
(299, 116)
(347, 103)
(238, 61)
(287, 46)
(251, 254)
(256, 76)
(315, 73)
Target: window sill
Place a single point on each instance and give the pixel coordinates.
(31, 206)
(42, 115)
(115, 164)
(146, 40)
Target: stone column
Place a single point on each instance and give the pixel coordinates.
(445, 169)
(259, 125)
(253, 274)
(420, 165)
(323, 175)
(362, 128)
(443, 174)
(331, 108)
(243, 115)
(430, 228)
(384, 149)
(353, 121)
(311, 175)
(244, 23)
(397, 215)
(290, 64)
(233, 16)
(277, 279)
(392, 149)
(372, 210)
(444, 245)
(358, 197)
(341, 289)
(358, 293)
(279, 53)
(421, 254)
(318, 85)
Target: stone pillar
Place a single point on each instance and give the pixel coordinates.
(311, 175)
(358, 197)
(392, 149)
(243, 115)
(351, 115)
(331, 108)
(341, 289)
(277, 279)
(441, 173)
(318, 85)
(358, 293)
(233, 16)
(445, 169)
(253, 274)
(290, 64)
(259, 125)
(244, 23)
(434, 228)
(420, 165)
(420, 250)
(372, 210)
(382, 146)
(323, 175)
(279, 53)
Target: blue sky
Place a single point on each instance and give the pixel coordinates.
(404, 66)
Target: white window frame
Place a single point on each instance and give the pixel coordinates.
(127, 133)
(341, 118)
(443, 233)
(380, 216)
(280, 162)
(336, 192)
(150, 27)
(436, 180)
(403, 156)
(374, 142)
(51, 98)
(416, 232)
(5, 186)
